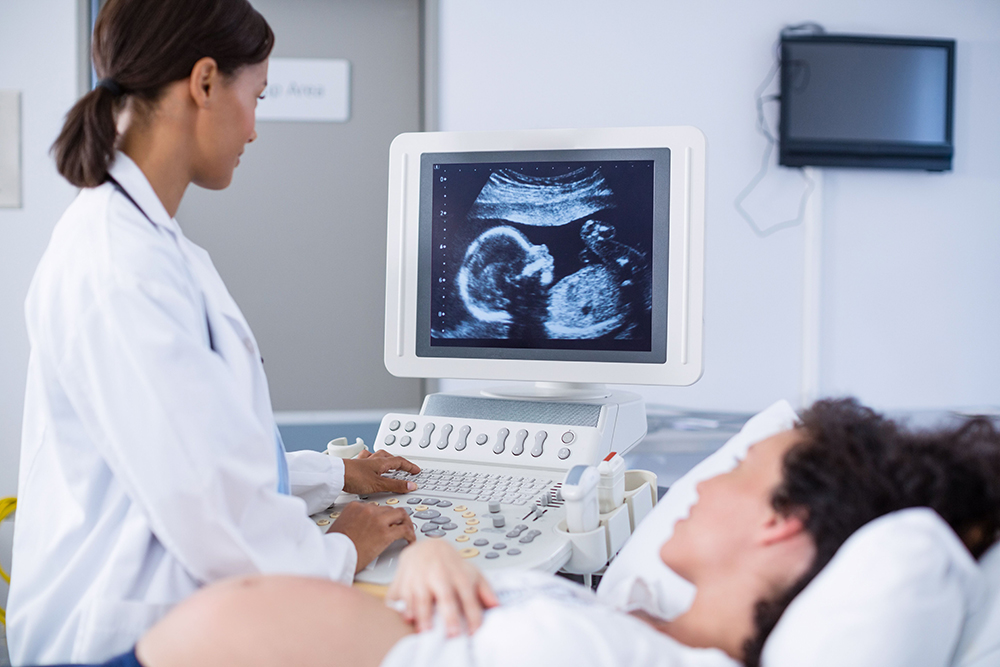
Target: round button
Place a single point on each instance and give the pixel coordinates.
(493, 554)
(405, 441)
(449, 526)
(462, 538)
(468, 515)
(564, 453)
(499, 545)
(323, 522)
(481, 439)
(334, 515)
(440, 520)
(420, 508)
(481, 542)
(392, 501)
(435, 533)
(568, 437)
(468, 553)
(414, 501)
(471, 529)
(410, 426)
(472, 522)
(443, 503)
(460, 508)
(394, 425)
(513, 552)
(389, 439)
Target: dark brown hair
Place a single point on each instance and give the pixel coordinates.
(142, 46)
(854, 465)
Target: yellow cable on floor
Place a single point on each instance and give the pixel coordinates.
(7, 507)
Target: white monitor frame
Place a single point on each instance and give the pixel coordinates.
(686, 257)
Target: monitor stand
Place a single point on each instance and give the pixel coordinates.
(550, 390)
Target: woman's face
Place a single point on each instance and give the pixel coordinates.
(731, 508)
(229, 126)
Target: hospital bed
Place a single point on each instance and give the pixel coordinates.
(901, 592)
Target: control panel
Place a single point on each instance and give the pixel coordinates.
(497, 516)
(491, 475)
(491, 442)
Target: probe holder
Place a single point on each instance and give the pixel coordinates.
(640, 494)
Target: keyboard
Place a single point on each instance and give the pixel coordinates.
(497, 517)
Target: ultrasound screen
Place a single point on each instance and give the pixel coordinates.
(543, 255)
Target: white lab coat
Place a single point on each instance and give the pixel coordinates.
(148, 463)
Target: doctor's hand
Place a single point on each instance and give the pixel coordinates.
(363, 475)
(372, 528)
(432, 574)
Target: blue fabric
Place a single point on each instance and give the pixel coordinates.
(284, 485)
(123, 660)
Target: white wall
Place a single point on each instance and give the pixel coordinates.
(38, 57)
(911, 284)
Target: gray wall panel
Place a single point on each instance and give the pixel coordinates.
(299, 237)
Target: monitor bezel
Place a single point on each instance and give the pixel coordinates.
(683, 282)
(660, 233)
(932, 156)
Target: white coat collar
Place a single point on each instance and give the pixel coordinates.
(130, 177)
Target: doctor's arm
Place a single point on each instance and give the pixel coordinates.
(319, 479)
(177, 430)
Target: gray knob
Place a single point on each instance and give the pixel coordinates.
(536, 451)
(425, 441)
(446, 430)
(499, 521)
(463, 438)
(494, 507)
(519, 439)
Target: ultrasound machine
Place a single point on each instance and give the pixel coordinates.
(564, 260)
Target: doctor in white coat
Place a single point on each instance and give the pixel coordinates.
(150, 461)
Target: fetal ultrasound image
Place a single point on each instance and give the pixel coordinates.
(543, 255)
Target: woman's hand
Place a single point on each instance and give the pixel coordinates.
(431, 573)
(364, 474)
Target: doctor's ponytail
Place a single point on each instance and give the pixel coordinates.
(140, 47)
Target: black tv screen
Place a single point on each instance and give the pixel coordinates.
(860, 101)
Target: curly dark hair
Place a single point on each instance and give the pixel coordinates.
(855, 465)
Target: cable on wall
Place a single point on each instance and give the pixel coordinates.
(769, 135)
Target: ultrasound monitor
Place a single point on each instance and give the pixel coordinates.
(557, 257)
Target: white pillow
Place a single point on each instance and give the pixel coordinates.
(980, 642)
(637, 578)
(896, 594)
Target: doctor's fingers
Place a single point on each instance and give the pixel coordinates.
(390, 462)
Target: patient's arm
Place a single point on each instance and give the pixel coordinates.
(432, 576)
(274, 621)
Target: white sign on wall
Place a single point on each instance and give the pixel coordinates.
(307, 89)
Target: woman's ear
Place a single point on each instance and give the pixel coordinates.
(780, 528)
(203, 81)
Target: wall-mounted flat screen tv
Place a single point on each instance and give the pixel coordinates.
(863, 101)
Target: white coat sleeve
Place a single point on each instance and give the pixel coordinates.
(178, 433)
(316, 478)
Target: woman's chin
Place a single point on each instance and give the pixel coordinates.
(215, 181)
